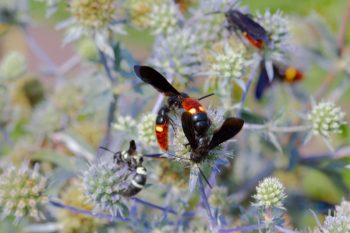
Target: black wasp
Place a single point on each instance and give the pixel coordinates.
(202, 145)
(251, 30)
(176, 100)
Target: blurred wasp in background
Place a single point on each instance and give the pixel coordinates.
(251, 30)
(281, 73)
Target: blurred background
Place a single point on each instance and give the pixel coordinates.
(324, 184)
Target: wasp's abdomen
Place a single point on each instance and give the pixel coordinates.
(256, 43)
(162, 135)
(200, 118)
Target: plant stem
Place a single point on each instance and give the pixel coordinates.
(87, 212)
(278, 129)
(104, 62)
(146, 203)
(205, 203)
(252, 75)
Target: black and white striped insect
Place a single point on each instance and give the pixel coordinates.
(133, 160)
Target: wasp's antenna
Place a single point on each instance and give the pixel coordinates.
(204, 177)
(175, 156)
(106, 149)
(213, 12)
(206, 96)
(157, 156)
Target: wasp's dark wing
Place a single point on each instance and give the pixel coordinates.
(188, 128)
(246, 24)
(157, 80)
(228, 129)
(263, 82)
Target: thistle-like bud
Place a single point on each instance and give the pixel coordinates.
(225, 65)
(92, 13)
(270, 193)
(163, 18)
(343, 208)
(326, 119)
(124, 123)
(12, 66)
(146, 128)
(177, 55)
(337, 224)
(276, 27)
(104, 183)
(229, 64)
(22, 191)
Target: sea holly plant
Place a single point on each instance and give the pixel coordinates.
(215, 139)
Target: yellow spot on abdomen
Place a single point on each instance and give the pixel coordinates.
(159, 128)
(201, 109)
(192, 111)
(290, 73)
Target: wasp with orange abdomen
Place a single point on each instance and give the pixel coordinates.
(176, 100)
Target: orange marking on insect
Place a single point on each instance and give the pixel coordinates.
(256, 43)
(162, 136)
(192, 111)
(192, 106)
(159, 129)
(292, 75)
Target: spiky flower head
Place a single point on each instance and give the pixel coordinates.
(125, 123)
(225, 64)
(164, 18)
(270, 193)
(230, 63)
(343, 208)
(92, 13)
(104, 183)
(146, 128)
(177, 55)
(22, 191)
(73, 195)
(337, 224)
(276, 26)
(218, 197)
(93, 19)
(139, 12)
(326, 119)
(12, 66)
